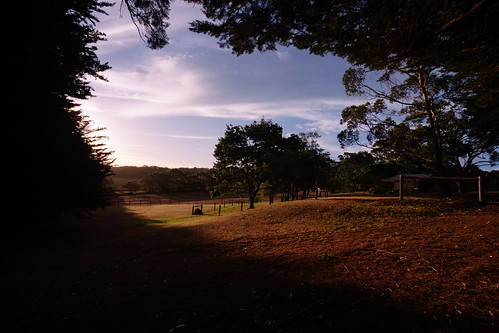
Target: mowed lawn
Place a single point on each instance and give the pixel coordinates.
(305, 266)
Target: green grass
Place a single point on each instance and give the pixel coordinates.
(208, 213)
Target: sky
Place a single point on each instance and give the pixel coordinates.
(168, 107)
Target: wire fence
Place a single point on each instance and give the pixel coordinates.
(481, 189)
(149, 202)
(139, 200)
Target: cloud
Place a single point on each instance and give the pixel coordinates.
(191, 137)
(193, 77)
(161, 85)
(176, 85)
(283, 55)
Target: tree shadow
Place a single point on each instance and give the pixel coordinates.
(112, 273)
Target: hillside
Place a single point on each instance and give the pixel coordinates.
(303, 266)
(124, 174)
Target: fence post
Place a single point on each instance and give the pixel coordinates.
(401, 187)
(481, 196)
(219, 209)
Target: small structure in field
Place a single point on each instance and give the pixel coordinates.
(197, 210)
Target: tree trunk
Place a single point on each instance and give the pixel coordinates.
(434, 123)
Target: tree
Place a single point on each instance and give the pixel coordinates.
(62, 164)
(243, 155)
(458, 35)
(369, 177)
(450, 34)
(157, 182)
(151, 19)
(175, 180)
(257, 157)
(298, 166)
(428, 128)
(132, 186)
(424, 40)
(350, 166)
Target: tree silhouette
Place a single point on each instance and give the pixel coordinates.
(243, 155)
(61, 162)
(256, 156)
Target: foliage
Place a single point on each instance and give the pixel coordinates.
(63, 164)
(176, 180)
(257, 156)
(138, 172)
(427, 129)
(362, 171)
(458, 35)
(454, 34)
(369, 177)
(150, 17)
(301, 165)
(243, 157)
(132, 186)
(350, 166)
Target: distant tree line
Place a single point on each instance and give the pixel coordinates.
(290, 167)
(153, 179)
(176, 181)
(138, 172)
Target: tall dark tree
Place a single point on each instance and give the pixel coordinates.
(61, 162)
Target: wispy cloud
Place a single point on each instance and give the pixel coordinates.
(171, 85)
(160, 85)
(191, 137)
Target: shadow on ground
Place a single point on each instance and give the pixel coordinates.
(112, 273)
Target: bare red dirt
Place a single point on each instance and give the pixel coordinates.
(307, 266)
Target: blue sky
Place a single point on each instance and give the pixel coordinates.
(168, 107)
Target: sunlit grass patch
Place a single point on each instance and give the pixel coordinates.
(171, 214)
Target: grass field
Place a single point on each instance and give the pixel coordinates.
(182, 213)
(342, 265)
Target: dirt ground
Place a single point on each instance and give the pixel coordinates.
(304, 266)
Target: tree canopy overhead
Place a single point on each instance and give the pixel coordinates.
(151, 19)
(450, 33)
